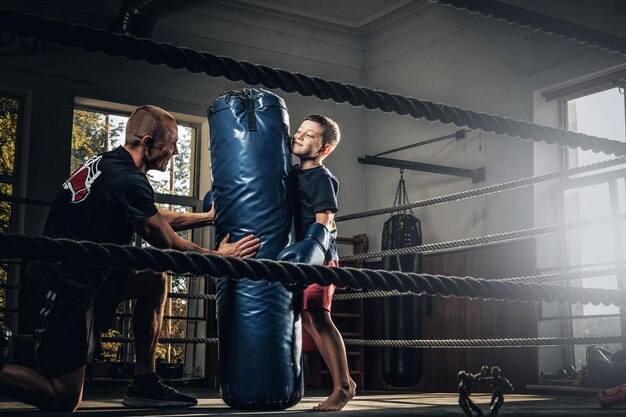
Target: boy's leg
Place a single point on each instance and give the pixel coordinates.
(62, 393)
(330, 344)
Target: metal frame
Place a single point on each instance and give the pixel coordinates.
(477, 175)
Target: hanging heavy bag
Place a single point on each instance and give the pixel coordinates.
(259, 335)
(402, 367)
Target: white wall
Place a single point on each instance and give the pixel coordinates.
(449, 56)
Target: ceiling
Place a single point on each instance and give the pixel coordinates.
(349, 14)
(356, 16)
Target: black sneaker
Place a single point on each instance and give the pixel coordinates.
(5, 344)
(153, 393)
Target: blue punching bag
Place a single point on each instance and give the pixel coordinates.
(260, 348)
(402, 367)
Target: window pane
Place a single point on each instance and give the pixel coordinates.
(587, 203)
(5, 208)
(591, 244)
(4, 274)
(594, 327)
(117, 131)
(9, 113)
(600, 114)
(88, 136)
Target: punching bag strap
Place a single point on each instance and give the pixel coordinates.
(401, 195)
(250, 112)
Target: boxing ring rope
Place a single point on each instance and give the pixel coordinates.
(525, 342)
(515, 342)
(537, 279)
(435, 343)
(490, 189)
(566, 276)
(92, 40)
(515, 15)
(481, 240)
(106, 254)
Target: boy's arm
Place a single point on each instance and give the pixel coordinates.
(313, 247)
(325, 218)
(184, 221)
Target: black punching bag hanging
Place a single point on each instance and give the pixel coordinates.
(402, 367)
(260, 348)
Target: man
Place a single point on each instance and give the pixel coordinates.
(108, 199)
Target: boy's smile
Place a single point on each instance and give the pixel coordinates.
(307, 141)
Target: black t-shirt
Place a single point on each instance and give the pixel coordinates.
(97, 203)
(317, 190)
(101, 199)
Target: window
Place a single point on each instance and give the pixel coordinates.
(598, 195)
(10, 108)
(97, 130)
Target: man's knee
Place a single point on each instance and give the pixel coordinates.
(148, 284)
(68, 395)
(157, 282)
(64, 403)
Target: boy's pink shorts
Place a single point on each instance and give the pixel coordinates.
(316, 297)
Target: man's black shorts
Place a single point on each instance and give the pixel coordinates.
(62, 315)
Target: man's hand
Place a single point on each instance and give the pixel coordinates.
(244, 248)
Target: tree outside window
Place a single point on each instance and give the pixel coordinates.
(9, 117)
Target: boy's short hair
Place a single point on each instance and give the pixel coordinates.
(147, 120)
(331, 135)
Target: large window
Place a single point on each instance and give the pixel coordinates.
(600, 195)
(10, 108)
(96, 131)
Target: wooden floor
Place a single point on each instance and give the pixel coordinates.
(106, 402)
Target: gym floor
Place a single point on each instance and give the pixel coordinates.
(106, 402)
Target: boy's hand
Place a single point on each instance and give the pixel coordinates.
(244, 248)
(311, 249)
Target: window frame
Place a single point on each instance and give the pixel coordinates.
(193, 201)
(611, 178)
(17, 208)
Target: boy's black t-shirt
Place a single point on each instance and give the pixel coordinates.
(317, 190)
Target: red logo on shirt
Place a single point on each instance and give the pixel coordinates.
(81, 180)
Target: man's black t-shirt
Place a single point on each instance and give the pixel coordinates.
(101, 199)
(317, 190)
(97, 203)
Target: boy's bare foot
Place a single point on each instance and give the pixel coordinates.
(338, 398)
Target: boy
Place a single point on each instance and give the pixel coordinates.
(317, 187)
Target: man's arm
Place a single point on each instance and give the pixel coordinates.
(184, 221)
(156, 231)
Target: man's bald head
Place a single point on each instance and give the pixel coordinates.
(148, 120)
